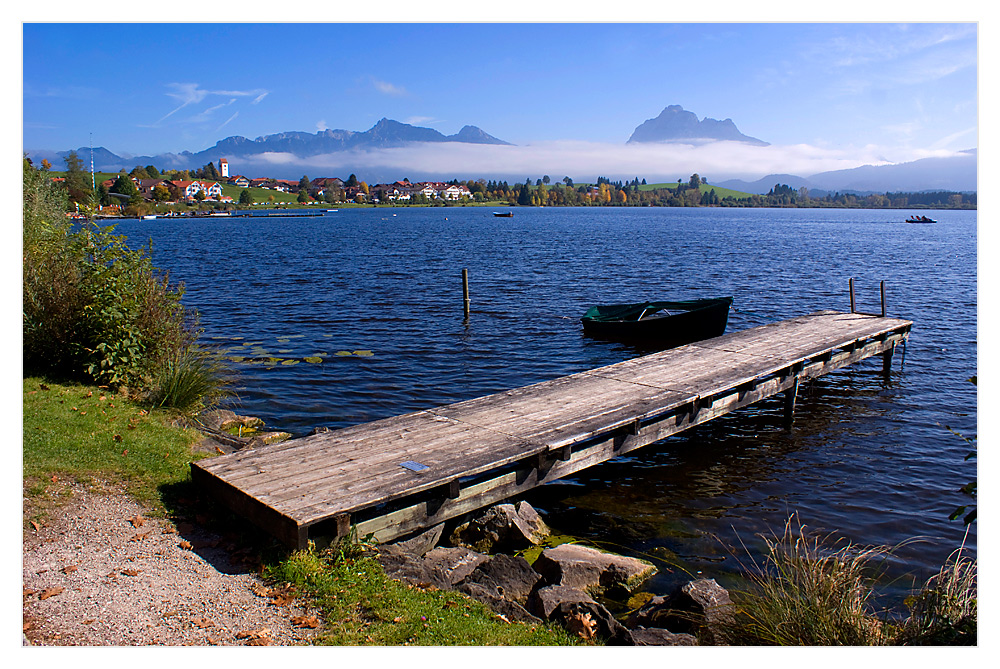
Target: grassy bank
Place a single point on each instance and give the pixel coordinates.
(81, 433)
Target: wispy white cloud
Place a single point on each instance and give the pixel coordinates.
(321, 125)
(188, 94)
(421, 120)
(388, 88)
(586, 160)
(228, 121)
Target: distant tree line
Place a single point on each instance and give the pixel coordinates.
(695, 192)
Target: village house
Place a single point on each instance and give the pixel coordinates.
(239, 181)
(397, 191)
(190, 189)
(455, 193)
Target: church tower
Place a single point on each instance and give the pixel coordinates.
(224, 168)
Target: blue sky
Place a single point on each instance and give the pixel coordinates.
(825, 95)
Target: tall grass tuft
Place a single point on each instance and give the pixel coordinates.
(188, 381)
(945, 611)
(808, 594)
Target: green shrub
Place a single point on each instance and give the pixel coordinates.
(94, 310)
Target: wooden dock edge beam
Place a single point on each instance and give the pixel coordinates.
(564, 460)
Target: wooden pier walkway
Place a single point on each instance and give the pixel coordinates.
(395, 476)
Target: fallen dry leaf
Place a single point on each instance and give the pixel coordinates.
(185, 544)
(138, 521)
(140, 537)
(582, 625)
(69, 569)
(260, 590)
(220, 451)
(117, 437)
(36, 526)
(306, 621)
(28, 592)
(130, 572)
(202, 622)
(50, 592)
(254, 634)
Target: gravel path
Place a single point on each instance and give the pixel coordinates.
(99, 572)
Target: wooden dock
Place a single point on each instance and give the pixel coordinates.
(395, 476)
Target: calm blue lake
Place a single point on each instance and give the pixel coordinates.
(374, 298)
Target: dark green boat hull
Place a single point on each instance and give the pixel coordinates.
(663, 324)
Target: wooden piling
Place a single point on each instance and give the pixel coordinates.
(465, 291)
(882, 289)
(853, 305)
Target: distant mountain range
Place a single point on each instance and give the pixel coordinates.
(955, 173)
(676, 124)
(673, 125)
(384, 134)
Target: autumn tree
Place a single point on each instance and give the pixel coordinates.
(78, 183)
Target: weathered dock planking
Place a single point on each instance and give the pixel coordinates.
(394, 476)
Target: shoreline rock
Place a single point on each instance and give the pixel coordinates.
(562, 586)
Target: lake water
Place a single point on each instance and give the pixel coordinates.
(373, 298)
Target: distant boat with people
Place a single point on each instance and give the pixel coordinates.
(920, 219)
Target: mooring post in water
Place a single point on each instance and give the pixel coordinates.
(790, 396)
(882, 288)
(851, 284)
(465, 291)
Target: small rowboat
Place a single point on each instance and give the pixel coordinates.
(663, 324)
(503, 214)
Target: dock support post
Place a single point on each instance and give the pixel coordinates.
(882, 288)
(851, 284)
(887, 362)
(465, 291)
(790, 395)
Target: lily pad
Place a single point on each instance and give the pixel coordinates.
(237, 358)
(284, 350)
(313, 359)
(343, 353)
(364, 354)
(289, 362)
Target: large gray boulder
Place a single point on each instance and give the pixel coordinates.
(698, 607)
(591, 570)
(508, 576)
(442, 568)
(655, 636)
(502, 528)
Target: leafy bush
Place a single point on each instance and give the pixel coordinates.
(94, 310)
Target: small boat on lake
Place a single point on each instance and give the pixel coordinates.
(663, 324)
(920, 219)
(503, 214)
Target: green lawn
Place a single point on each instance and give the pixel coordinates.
(85, 432)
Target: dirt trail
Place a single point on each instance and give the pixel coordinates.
(99, 572)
